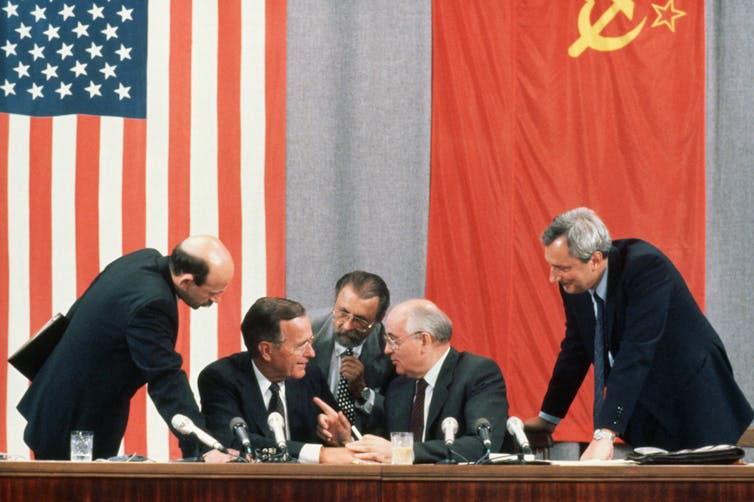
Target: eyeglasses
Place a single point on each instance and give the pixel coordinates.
(359, 323)
(301, 349)
(397, 342)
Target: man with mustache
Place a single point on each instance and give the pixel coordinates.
(350, 344)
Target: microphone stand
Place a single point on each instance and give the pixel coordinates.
(448, 457)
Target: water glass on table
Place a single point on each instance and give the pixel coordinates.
(402, 444)
(82, 444)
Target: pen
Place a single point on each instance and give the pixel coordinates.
(356, 432)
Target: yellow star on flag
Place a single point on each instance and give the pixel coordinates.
(667, 15)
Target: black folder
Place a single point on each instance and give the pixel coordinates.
(31, 356)
(713, 454)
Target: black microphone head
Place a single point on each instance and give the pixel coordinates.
(237, 422)
(482, 423)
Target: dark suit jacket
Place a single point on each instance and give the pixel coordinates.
(671, 384)
(468, 387)
(378, 369)
(121, 335)
(228, 388)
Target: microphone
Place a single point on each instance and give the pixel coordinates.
(185, 426)
(240, 428)
(449, 428)
(483, 427)
(516, 429)
(276, 422)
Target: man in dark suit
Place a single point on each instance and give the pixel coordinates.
(121, 334)
(662, 377)
(455, 384)
(350, 343)
(273, 375)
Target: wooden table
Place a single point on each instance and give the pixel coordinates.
(98, 481)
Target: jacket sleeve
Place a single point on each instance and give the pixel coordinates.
(570, 368)
(151, 335)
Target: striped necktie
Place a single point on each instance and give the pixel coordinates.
(417, 411)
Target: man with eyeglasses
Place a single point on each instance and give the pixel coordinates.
(435, 382)
(349, 342)
(273, 375)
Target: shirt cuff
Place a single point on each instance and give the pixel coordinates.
(549, 418)
(309, 454)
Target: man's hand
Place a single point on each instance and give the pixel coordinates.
(336, 456)
(372, 448)
(601, 449)
(353, 371)
(218, 457)
(538, 424)
(332, 427)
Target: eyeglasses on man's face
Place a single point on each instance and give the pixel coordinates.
(301, 348)
(359, 323)
(396, 342)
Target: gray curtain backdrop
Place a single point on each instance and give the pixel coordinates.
(358, 132)
(357, 144)
(730, 180)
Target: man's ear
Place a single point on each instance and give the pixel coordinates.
(183, 281)
(265, 350)
(597, 259)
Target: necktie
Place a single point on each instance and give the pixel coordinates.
(417, 412)
(275, 404)
(599, 356)
(344, 397)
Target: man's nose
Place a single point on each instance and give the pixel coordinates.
(554, 274)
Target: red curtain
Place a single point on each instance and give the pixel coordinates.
(540, 107)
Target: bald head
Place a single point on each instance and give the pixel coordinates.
(202, 268)
(420, 314)
(418, 334)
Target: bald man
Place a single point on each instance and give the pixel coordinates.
(443, 381)
(121, 335)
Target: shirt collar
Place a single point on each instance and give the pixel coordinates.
(434, 372)
(601, 289)
(264, 383)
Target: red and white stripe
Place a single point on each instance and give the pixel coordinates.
(84, 190)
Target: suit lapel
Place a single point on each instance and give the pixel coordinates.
(294, 397)
(255, 407)
(324, 345)
(440, 392)
(613, 274)
(402, 403)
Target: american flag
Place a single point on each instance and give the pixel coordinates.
(61, 58)
(131, 124)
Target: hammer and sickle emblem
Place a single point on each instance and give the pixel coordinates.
(591, 33)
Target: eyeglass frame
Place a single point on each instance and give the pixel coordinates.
(397, 342)
(301, 349)
(343, 315)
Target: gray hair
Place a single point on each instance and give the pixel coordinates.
(584, 231)
(426, 316)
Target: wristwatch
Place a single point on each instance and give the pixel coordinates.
(603, 434)
(364, 397)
